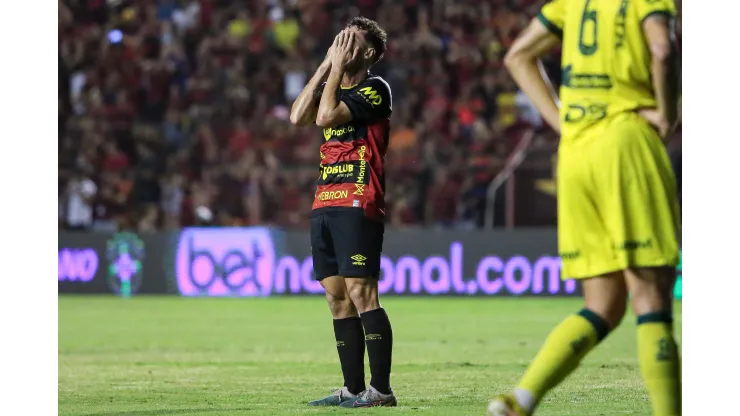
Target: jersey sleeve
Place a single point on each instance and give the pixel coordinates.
(370, 101)
(552, 15)
(647, 8)
(317, 94)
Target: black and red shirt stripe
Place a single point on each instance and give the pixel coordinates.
(352, 174)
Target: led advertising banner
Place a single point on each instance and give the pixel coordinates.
(110, 263)
(260, 262)
(265, 262)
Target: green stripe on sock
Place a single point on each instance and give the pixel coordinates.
(662, 316)
(599, 324)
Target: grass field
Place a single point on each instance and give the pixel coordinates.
(152, 356)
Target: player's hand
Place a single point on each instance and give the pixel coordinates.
(329, 54)
(658, 121)
(343, 49)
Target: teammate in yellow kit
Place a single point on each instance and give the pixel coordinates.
(618, 215)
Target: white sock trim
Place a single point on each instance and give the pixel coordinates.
(525, 399)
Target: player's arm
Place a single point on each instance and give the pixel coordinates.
(658, 30)
(523, 62)
(332, 111)
(306, 105)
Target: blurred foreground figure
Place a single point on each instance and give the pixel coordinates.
(618, 213)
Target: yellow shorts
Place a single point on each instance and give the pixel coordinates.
(617, 200)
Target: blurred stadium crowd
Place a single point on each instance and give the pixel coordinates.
(175, 112)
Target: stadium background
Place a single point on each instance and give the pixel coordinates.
(177, 111)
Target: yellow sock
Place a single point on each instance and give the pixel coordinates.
(563, 350)
(660, 364)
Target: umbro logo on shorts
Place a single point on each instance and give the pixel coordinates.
(358, 260)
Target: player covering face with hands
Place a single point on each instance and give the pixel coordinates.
(353, 107)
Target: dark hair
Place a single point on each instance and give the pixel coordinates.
(376, 36)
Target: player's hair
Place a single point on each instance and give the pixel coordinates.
(376, 36)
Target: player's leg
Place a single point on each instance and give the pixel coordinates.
(567, 344)
(641, 204)
(379, 341)
(583, 242)
(348, 331)
(660, 365)
(359, 242)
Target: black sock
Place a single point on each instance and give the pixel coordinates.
(379, 339)
(351, 348)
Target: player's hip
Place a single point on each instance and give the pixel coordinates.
(363, 199)
(622, 146)
(615, 129)
(345, 242)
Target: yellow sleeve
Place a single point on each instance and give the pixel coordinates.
(647, 8)
(552, 15)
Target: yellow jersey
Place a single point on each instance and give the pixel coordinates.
(605, 58)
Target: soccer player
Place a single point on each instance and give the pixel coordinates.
(353, 107)
(618, 215)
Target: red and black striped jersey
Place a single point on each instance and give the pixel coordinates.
(352, 175)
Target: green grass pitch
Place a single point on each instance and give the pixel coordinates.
(161, 356)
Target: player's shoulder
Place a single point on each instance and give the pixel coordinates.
(376, 81)
(375, 88)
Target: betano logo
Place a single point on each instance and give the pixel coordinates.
(330, 132)
(371, 95)
(358, 260)
(332, 195)
(360, 185)
(336, 170)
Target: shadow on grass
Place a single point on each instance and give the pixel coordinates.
(164, 412)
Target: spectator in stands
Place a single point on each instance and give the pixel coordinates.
(79, 195)
(177, 109)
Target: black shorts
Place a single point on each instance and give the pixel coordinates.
(346, 243)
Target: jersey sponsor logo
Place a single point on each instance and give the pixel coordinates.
(340, 171)
(331, 132)
(590, 112)
(584, 81)
(332, 195)
(371, 95)
(620, 26)
(360, 183)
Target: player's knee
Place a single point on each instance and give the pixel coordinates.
(338, 298)
(651, 289)
(340, 305)
(364, 294)
(606, 296)
(611, 312)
